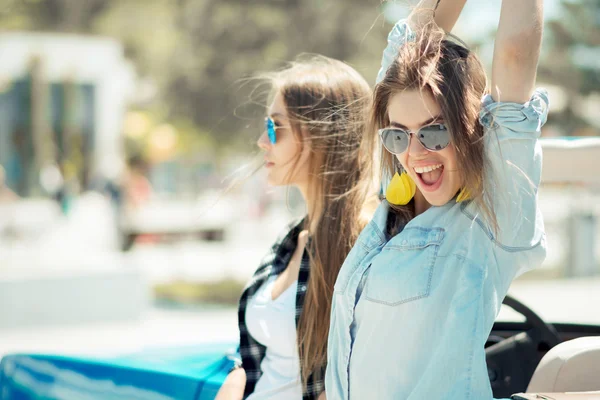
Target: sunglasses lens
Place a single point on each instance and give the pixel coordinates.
(270, 128)
(394, 140)
(434, 137)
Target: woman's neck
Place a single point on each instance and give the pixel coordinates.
(421, 205)
(313, 209)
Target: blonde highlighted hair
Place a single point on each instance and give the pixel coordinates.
(327, 103)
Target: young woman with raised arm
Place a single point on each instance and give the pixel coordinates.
(418, 294)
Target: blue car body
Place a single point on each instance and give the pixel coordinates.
(186, 373)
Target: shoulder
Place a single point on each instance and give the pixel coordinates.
(289, 233)
(286, 241)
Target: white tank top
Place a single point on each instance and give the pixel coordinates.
(272, 323)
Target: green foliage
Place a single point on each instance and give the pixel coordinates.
(226, 292)
(198, 54)
(571, 60)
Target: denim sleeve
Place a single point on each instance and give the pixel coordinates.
(400, 34)
(514, 167)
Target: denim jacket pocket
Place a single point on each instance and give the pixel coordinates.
(403, 271)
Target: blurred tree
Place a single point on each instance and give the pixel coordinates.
(50, 15)
(225, 41)
(198, 53)
(571, 60)
(195, 55)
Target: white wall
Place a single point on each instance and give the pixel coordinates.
(83, 59)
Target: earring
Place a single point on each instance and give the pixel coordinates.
(401, 189)
(463, 195)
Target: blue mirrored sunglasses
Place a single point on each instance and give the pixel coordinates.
(271, 129)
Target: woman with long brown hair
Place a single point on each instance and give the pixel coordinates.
(312, 140)
(416, 298)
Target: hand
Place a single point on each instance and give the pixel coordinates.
(443, 12)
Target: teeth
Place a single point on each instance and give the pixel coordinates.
(429, 168)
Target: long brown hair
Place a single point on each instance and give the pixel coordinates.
(456, 79)
(327, 103)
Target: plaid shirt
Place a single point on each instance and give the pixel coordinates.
(276, 261)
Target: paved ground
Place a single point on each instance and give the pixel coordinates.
(157, 328)
(560, 300)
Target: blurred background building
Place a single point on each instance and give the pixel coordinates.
(123, 124)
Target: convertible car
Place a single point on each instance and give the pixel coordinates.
(530, 359)
(182, 373)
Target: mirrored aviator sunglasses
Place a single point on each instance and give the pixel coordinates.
(432, 137)
(271, 130)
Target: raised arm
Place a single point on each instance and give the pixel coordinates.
(517, 50)
(445, 15)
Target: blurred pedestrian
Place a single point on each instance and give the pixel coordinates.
(6, 194)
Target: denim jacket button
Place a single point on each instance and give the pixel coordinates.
(303, 288)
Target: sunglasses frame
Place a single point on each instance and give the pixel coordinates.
(408, 134)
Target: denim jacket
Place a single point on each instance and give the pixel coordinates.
(411, 313)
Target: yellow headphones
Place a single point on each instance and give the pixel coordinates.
(401, 189)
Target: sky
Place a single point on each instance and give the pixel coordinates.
(479, 18)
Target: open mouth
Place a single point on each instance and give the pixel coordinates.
(430, 177)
